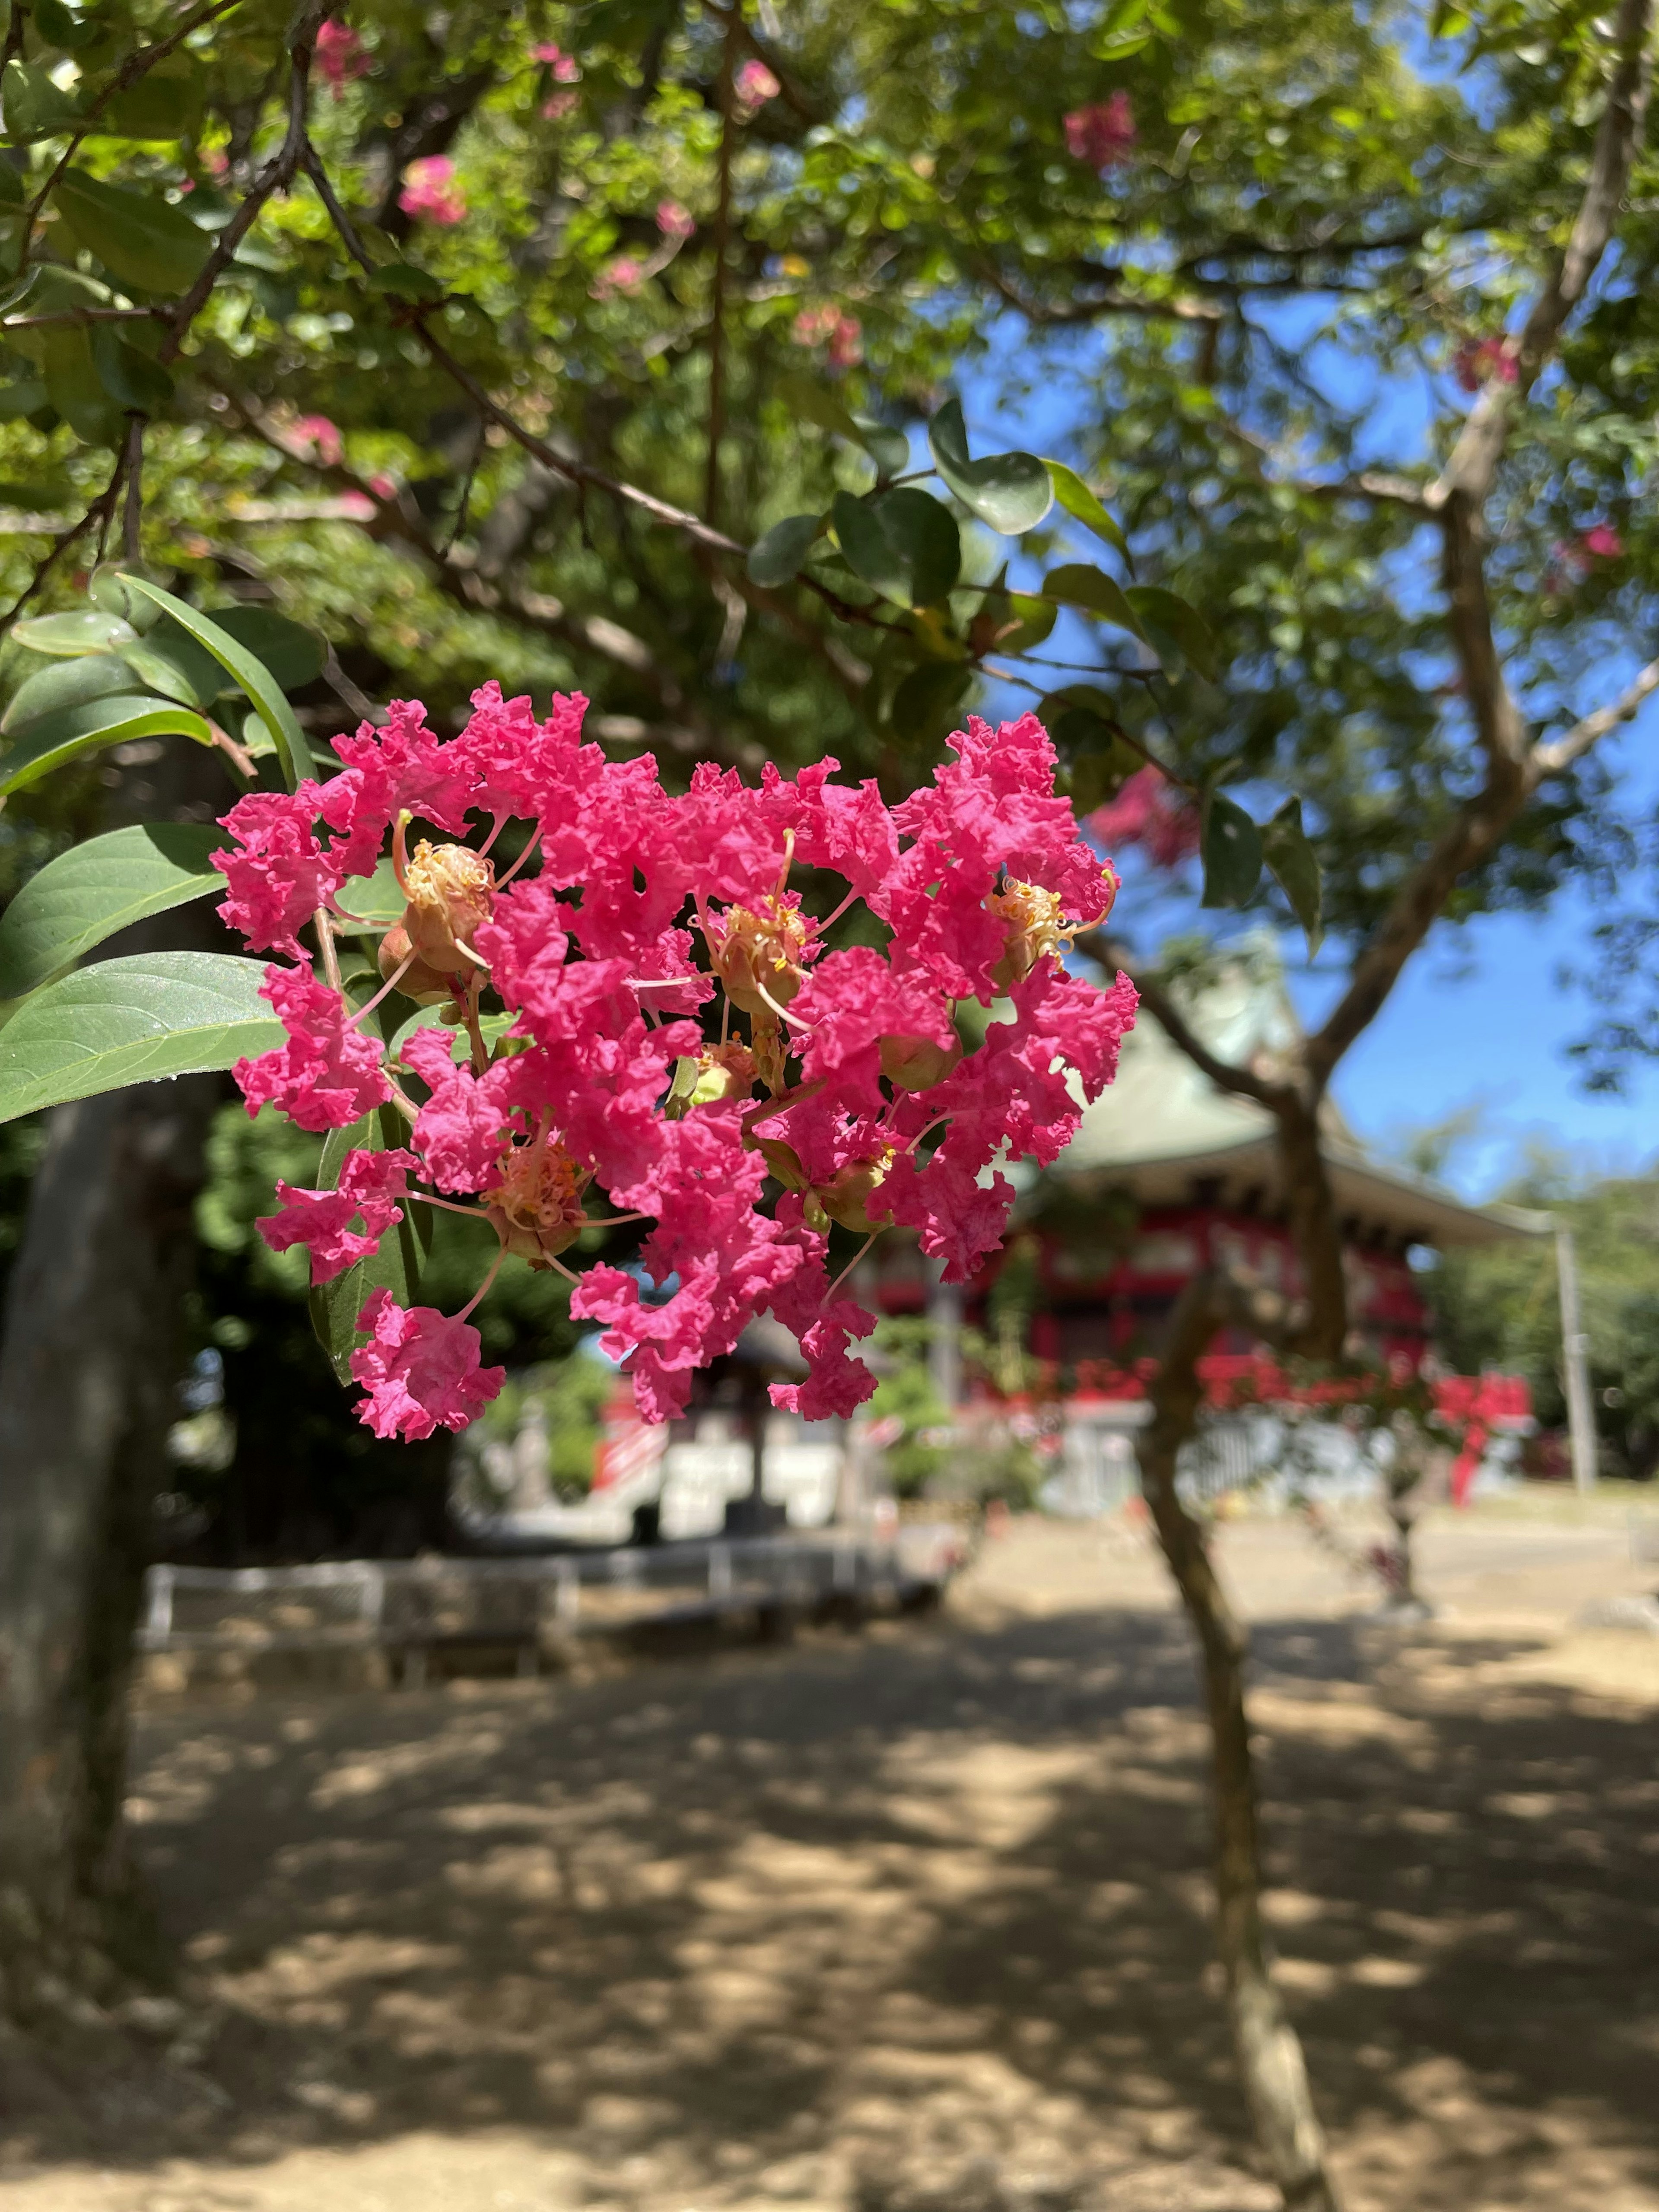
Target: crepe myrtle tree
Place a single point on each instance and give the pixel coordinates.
(824, 1093)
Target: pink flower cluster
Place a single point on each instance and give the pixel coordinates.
(833, 328)
(340, 55)
(755, 84)
(1102, 134)
(675, 1028)
(1150, 812)
(1475, 362)
(430, 191)
(315, 437)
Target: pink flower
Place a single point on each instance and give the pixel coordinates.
(673, 221)
(327, 1074)
(421, 1370)
(566, 68)
(813, 325)
(1473, 364)
(356, 507)
(369, 1187)
(340, 55)
(1103, 133)
(460, 1130)
(430, 191)
(314, 435)
(216, 162)
(625, 273)
(277, 874)
(1602, 543)
(846, 343)
(558, 105)
(754, 85)
(383, 486)
(1149, 811)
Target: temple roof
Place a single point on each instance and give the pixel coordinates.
(1162, 1127)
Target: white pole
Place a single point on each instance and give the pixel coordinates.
(1575, 1345)
(944, 1303)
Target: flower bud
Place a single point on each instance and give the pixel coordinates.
(417, 981)
(916, 1063)
(450, 890)
(536, 1206)
(758, 957)
(846, 1197)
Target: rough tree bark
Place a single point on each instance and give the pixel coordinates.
(88, 1373)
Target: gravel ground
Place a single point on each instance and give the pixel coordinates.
(913, 1919)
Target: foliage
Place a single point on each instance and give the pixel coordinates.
(1496, 1306)
(906, 1393)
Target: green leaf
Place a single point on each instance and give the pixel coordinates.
(925, 704)
(402, 280)
(64, 684)
(1010, 491)
(58, 27)
(375, 900)
(34, 107)
(1080, 584)
(1036, 617)
(1180, 622)
(53, 739)
(903, 544)
(254, 679)
(25, 398)
(132, 379)
(293, 654)
(74, 387)
(889, 449)
(109, 590)
(1080, 504)
(777, 556)
(398, 1265)
(166, 103)
(94, 888)
(91, 630)
(145, 243)
(1284, 845)
(1231, 846)
(141, 1020)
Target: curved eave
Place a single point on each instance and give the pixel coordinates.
(1380, 1200)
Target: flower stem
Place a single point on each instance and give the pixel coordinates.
(386, 989)
(535, 840)
(326, 947)
(851, 1264)
(494, 1270)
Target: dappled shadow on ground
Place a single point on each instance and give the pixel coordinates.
(914, 1920)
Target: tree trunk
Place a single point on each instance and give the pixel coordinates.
(1268, 2051)
(88, 1366)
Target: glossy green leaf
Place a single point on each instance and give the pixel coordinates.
(1080, 504)
(925, 703)
(1035, 619)
(778, 556)
(60, 27)
(1179, 621)
(1286, 848)
(91, 630)
(53, 739)
(165, 104)
(1230, 847)
(64, 684)
(25, 398)
(94, 888)
(396, 1267)
(35, 106)
(110, 591)
(131, 378)
(889, 449)
(293, 654)
(376, 901)
(903, 544)
(253, 677)
(1080, 584)
(141, 1020)
(1010, 491)
(145, 243)
(402, 280)
(74, 387)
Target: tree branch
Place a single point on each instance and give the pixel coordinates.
(1159, 1002)
(1553, 759)
(1471, 471)
(1113, 302)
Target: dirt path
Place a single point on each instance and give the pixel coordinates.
(914, 1921)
